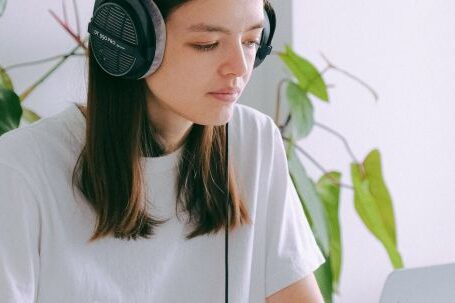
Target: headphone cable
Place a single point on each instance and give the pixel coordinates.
(226, 264)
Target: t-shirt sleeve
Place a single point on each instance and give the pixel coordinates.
(291, 250)
(19, 238)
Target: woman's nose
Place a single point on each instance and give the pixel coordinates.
(236, 61)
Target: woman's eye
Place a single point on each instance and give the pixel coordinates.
(205, 47)
(208, 47)
(254, 43)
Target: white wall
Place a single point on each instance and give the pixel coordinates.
(406, 51)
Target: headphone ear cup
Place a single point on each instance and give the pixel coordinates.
(127, 37)
(265, 46)
(96, 5)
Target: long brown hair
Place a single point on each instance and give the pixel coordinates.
(119, 133)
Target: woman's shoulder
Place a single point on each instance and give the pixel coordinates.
(246, 112)
(250, 119)
(14, 143)
(31, 144)
(251, 126)
(252, 138)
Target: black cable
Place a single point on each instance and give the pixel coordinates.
(226, 246)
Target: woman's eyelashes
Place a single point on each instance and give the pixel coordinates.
(205, 47)
(209, 47)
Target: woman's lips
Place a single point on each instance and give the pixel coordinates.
(225, 97)
(227, 94)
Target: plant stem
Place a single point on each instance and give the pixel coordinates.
(282, 127)
(39, 61)
(278, 99)
(324, 171)
(345, 142)
(68, 30)
(276, 53)
(48, 73)
(65, 15)
(76, 13)
(346, 73)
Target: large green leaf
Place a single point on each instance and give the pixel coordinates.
(379, 190)
(10, 110)
(301, 109)
(374, 205)
(328, 188)
(2, 6)
(307, 75)
(324, 277)
(310, 200)
(5, 80)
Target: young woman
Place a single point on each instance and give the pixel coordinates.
(126, 199)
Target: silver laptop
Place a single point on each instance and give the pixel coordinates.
(430, 284)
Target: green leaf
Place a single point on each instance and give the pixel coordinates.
(309, 79)
(324, 278)
(328, 188)
(311, 202)
(10, 110)
(301, 109)
(2, 6)
(29, 115)
(5, 80)
(379, 190)
(374, 205)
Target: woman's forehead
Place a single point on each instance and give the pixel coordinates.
(225, 16)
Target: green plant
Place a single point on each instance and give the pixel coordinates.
(12, 109)
(320, 200)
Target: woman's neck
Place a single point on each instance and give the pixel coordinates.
(169, 147)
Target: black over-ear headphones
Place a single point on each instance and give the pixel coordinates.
(128, 37)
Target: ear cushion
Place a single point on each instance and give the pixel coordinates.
(159, 44)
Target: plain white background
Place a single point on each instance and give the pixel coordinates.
(404, 49)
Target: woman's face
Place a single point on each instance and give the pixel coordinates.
(180, 88)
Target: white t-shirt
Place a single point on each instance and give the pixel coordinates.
(45, 257)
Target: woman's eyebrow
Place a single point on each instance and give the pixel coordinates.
(203, 27)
